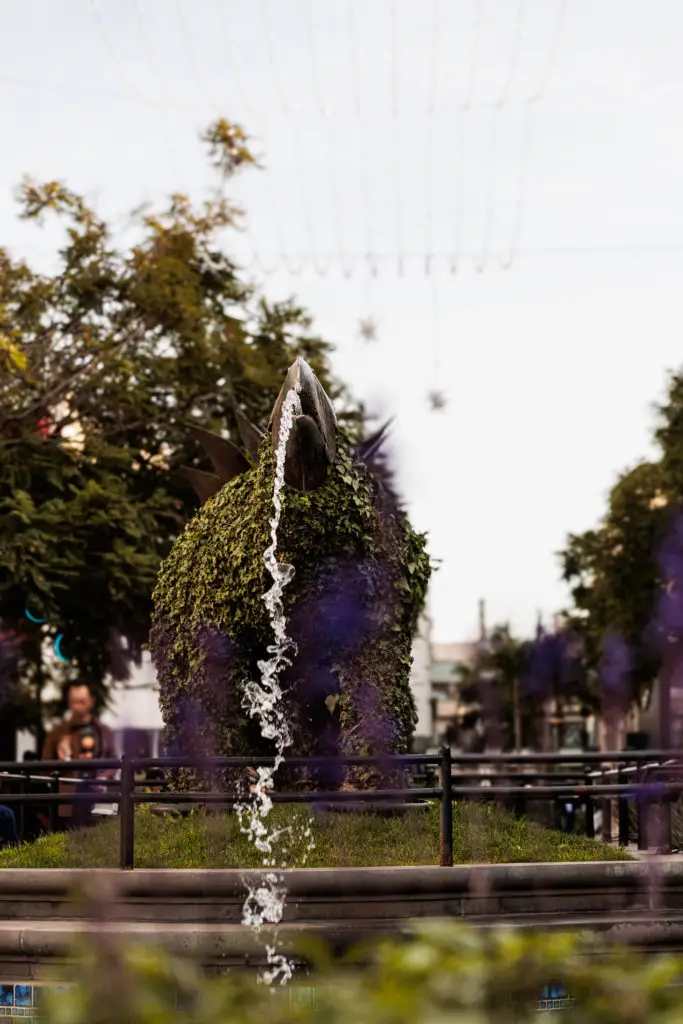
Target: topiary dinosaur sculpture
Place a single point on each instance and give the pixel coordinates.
(361, 575)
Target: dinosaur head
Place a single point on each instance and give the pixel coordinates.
(312, 442)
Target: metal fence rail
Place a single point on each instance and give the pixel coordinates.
(578, 784)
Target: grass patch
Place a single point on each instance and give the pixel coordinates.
(481, 834)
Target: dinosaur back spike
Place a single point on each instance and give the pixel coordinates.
(227, 459)
(251, 435)
(371, 445)
(205, 484)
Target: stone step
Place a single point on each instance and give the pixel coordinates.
(356, 894)
(26, 948)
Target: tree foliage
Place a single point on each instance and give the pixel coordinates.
(444, 971)
(495, 685)
(623, 574)
(103, 363)
(360, 580)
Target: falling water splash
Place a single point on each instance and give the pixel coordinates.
(265, 902)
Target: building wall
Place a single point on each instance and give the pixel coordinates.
(444, 682)
(420, 683)
(134, 706)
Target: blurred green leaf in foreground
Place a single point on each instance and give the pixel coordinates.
(446, 972)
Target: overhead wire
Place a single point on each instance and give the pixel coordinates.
(589, 249)
(295, 137)
(247, 103)
(217, 106)
(127, 82)
(493, 148)
(207, 96)
(432, 100)
(529, 106)
(362, 136)
(156, 71)
(92, 88)
(436, 337)
(398, 212)
(193, 63)
(257, 260)
(465, 107)
(324, 112)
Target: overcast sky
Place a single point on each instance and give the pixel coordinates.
(521, 163)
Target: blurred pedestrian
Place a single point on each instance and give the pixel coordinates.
(80, 737)
(8, 827)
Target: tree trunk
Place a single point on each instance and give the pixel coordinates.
(517, 715)
(40, 684)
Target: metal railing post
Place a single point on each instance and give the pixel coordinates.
(665, 839)
(589, 806)
(53, 809)
(624, 821)
(23, 789)
(643, 815)
(665, 836)
(127, 814)
(446, 837)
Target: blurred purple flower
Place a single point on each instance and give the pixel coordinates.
(615, 664)
(344, 610)
(667, 622)
(613, 673)
(542, 667)
(669, 616)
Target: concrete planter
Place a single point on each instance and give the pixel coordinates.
(199, 912)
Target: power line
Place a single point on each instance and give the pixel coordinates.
(465, 107)
(313, 58)
(226, 37)
(128, 84)
(553, 52)
(151, 60)
(294, 132)
(324, 112)
(194, 65)
(436, 331)
(255, 115)
(522, 188)
(530, 252)
(432, 100)
(398, 211)
(362, 134)
(474, 57)
(250, 109)
(493, 148)
(529, 106)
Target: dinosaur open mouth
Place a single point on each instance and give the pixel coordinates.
(311, 446)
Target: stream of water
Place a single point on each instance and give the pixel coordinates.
(264, 700)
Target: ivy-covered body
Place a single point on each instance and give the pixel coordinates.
(360, 581)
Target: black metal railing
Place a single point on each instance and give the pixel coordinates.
(664, 785)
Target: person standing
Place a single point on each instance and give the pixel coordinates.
(80, 737)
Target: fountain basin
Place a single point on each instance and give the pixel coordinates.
(198, 913)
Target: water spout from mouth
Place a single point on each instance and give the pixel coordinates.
(263, 700)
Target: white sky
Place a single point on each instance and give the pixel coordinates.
(551, 366)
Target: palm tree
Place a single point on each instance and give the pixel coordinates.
(492, 686)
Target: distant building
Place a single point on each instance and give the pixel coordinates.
(133, 714)
(421, 686)
(448, 708)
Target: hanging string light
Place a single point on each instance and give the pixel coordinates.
(367, 328)
(436, 397)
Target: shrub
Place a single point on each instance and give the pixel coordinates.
(447, 972)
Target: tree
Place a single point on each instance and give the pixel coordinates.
(622, 574)
(498, 683)
(102, 366)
